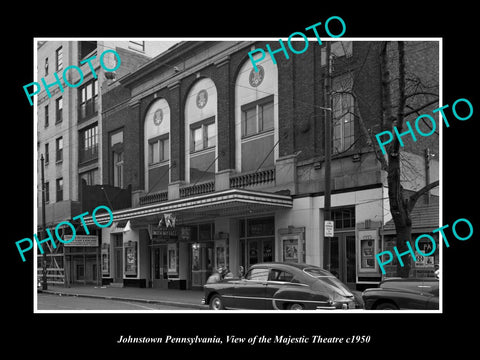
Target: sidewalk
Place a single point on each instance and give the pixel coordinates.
(183, 298)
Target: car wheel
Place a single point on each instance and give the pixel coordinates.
(295, 306)
(216, 303)
(386, 306)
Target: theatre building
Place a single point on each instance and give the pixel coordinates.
(227, 166)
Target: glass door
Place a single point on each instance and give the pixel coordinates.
(341, 259)
(259, 250)
(159, 267)
(202, 262)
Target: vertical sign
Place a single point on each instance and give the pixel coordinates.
(328, 228)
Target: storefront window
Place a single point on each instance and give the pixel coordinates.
(344, 218)
(257, 240)
(260, 227)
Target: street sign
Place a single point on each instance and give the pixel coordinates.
(328, 228)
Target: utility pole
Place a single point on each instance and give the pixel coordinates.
(328, 134)
(44, 258)
(427, 173)
(327, 216)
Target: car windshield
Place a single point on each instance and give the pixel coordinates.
(329, 280)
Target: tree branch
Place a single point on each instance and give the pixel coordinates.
(416, 93)
(412, 200)
(420, 108)
(368, 136)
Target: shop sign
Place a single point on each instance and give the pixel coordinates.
(82, 240)
(163, 232)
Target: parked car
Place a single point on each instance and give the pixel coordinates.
(280, 286)
(403, 293)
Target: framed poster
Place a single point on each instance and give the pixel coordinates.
(131, 258)
(221, 253)
(368, 242)
(290, 250)
(293, 244)
(172, 257)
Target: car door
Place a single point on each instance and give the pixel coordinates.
(276, 280)
(250, 293)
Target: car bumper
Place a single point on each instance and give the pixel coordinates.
(338, 306)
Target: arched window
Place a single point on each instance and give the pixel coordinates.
(157, 146)
(256, 116)
(343, 113)
(201, 132)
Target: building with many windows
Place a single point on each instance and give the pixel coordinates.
(227, 165)
(69, 138)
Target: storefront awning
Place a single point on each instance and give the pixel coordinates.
(231, 202)
(118, 226)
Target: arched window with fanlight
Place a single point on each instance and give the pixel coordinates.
(201, 132)
(256, 116)
(157, 146)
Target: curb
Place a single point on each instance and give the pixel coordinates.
(149, 301)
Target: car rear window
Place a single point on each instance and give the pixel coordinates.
(280, 275)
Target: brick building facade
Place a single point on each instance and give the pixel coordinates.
(235, 159)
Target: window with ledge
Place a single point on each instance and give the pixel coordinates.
(59, 149)
(59, 58)
(47, 154)
(59, 189)
(88, 143)
(88, 140)
(157, 146)
(158, 149)
(257, 117)
(202, 135)
(46, 66)
(88, 100)
(118, 169)
(116, 144)
(201, 132)
(59, 110)
(47, 119)
(257, 137)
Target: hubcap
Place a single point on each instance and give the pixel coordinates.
(216, 304)
(296, 307)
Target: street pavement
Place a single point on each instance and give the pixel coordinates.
(186, 299)
(70, 303)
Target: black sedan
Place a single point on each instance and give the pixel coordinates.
(403, 293)
(280, 286)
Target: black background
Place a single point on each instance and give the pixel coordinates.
(416, 335)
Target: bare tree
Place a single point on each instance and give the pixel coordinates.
(401, 203)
